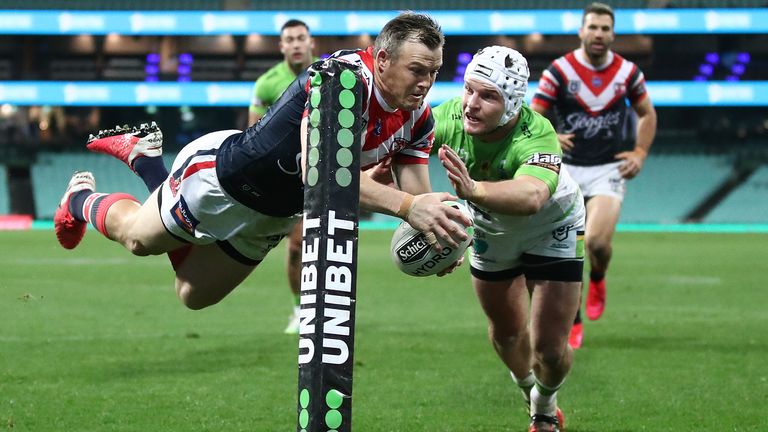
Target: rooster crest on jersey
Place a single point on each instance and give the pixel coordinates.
(505, 69)
(412, 253)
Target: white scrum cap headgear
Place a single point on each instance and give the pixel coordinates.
(505, 69)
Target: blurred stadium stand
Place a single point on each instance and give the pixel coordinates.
(4, 199)
(299, 5)
(52, 171)
(747, 204)
(698, 153)
(672, 185)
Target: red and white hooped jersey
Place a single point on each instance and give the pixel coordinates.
(260, 167)
(593, 104)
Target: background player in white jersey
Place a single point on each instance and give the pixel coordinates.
(231, 196)
(504, 159)
(589, 89)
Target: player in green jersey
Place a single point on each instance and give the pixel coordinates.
(296, 45)
(528, 255)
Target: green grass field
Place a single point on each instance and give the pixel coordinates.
(95, 340)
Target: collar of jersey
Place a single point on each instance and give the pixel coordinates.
(380, 99)
(581, 58)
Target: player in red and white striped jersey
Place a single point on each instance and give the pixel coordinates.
(232, 195)
(604, 142)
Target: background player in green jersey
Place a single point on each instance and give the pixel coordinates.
(528, 255)
(296, 44)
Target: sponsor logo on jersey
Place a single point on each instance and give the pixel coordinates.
(378, 127)
(398, 144)
(547, 86)
(574, 86)
(591, 125)
(619, 88)
(597, 81)
(183, 216)
(561, 233)
(174, 185)
(526, 130)
(546, 160)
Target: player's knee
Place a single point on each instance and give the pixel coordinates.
(191, 297)
(549, 355)
(137, 247)
(506, 337)
(599, 247)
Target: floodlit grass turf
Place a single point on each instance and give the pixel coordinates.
(95, 340)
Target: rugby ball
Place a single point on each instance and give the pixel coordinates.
(413, 255)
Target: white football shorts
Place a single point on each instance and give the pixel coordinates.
(558, 242)
(599, 179)
(195, 208)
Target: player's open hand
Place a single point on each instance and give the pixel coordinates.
(565, 141)
(453, 267)
(429, 215)
(382, 173)
(633, 162)
(457, 172)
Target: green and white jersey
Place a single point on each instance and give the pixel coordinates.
(270, 86)
(531, 148)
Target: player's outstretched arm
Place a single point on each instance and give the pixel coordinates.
(424, 212)
(524, 195)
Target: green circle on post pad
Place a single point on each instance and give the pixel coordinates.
(348, 79)
(312, 176)
(313, 156)
(334, 399)
(344, 157)
(316, 79)
(314, 137)
(304, 398)
(343, 177)
(314, 118)
(315, 98)
(345, 137)
(304, 418)
(333, 419)
(346, 118)
(347, 98)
